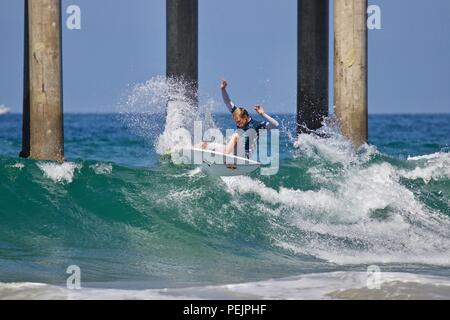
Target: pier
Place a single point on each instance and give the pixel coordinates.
(43, 134)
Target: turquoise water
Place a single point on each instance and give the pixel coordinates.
(130, 219)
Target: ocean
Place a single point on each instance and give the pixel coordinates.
(140, 227)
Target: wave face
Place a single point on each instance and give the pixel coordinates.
(126, 215)
(329, 208)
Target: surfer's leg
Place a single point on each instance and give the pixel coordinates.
(229, 148)
(218, 147)
(201, 145)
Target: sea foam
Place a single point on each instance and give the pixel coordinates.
(360, 212)
(162, 108)
(317, 286)
(60, 173)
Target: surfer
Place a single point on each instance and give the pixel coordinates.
(244, 124)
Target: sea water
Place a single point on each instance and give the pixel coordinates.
(141, 227)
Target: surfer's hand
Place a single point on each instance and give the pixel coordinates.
(259, 110)
(224, 84)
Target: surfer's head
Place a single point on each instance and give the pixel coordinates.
(241, 117)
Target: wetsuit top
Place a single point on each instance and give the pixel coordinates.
(270, 123)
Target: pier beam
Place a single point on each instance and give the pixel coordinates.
(43, 137)
(350, 68)
(312, 76)
(182, 42)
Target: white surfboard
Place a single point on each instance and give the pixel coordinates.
(215, 163)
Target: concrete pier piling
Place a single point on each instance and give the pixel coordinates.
(350, 68)
(182, 42)
(43, 137)
(313, 47)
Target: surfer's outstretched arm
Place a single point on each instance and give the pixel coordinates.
(226, 98)
(271, 122)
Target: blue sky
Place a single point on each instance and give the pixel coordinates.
(252, 43)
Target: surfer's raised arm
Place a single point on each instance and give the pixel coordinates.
(271, 122)
(226, 97)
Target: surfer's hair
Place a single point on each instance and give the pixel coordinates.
(240, 113)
